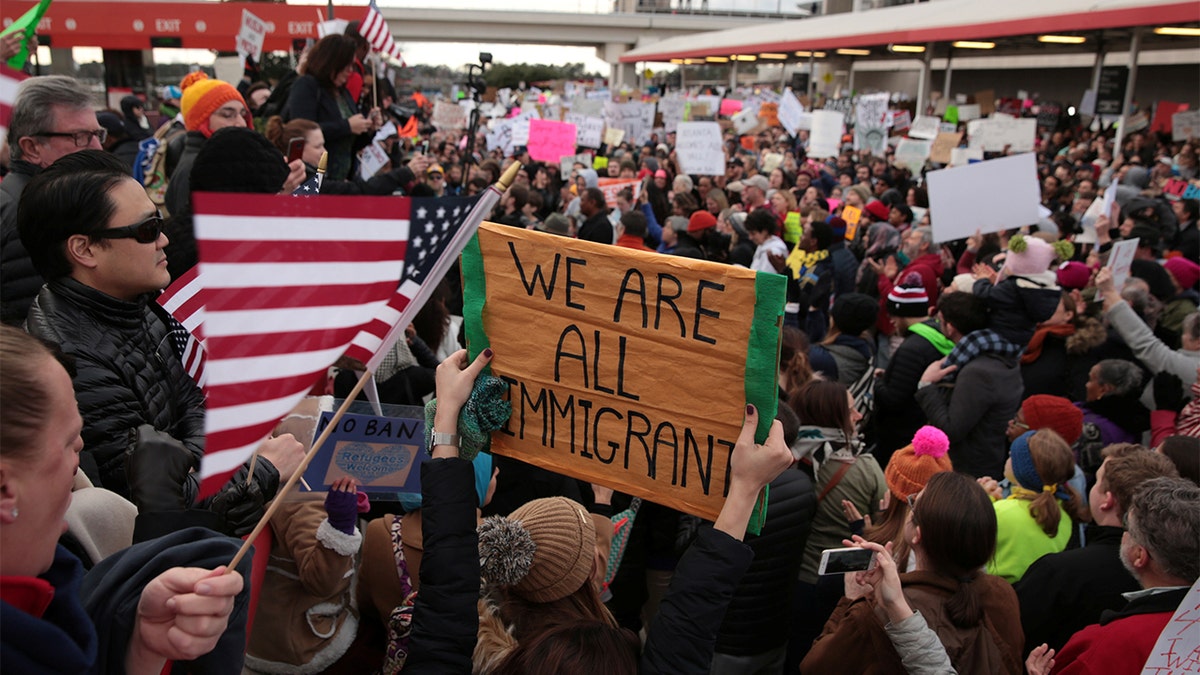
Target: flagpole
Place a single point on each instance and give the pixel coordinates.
(498, 189)
(298, 473)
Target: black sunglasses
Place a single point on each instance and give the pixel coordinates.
(145, 232)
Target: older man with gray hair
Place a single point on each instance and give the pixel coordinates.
(1161, 549)
(52, 117)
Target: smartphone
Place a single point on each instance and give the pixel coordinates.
(295, 149)
(425, 147)
(843, 560)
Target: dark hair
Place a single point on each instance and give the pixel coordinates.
(596, 195)
(584, 646)
(23, 390)
(69, 197)
(328, 57)
(790, 422)
(958, 536)
(1184, 453)
(1191, 207)
(281, 134)
(793, 358)
(520, 196)
(965, 311)
(761, 220)
(634, 223)
(686, 203)
(352, 33)
(822, 233)
(824, 404)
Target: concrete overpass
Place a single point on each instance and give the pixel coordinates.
(612, 35)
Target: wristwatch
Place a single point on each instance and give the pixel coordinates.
(440, 438)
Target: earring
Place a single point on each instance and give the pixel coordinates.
(14, 512)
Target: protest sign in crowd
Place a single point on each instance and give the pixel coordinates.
(732, 381)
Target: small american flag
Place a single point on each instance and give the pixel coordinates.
(10, 81)
(183, 301)
(310, 187)
(375, 29)
(288, 283)
(439, 230)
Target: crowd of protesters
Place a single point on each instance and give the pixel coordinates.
(1009, 431)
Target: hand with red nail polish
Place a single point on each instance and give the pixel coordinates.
(753, 466)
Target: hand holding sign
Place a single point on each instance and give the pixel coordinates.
(752, 467)
(455, 378)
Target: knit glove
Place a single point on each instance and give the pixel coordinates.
(342, 507)
(484, 412)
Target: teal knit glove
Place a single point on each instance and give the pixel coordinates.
(485, 411)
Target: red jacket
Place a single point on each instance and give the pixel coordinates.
(1122, 641)
(632, 241)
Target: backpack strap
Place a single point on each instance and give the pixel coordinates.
(837, 478)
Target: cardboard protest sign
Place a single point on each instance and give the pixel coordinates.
(500, 137)
(1120, 260)
(671, 111)
(769, 114)
(520, 127)
(383, 454)
(989, 196)
(901, 119)
(588, 337)
(250, 37)
(963, 156)
(825, 139)
(1111, 94)
(1181, 189)
(613, 136)
(589, 130)
(611, 187)
(699, 149)
(549, 141)
(912, 153)
(789, 112)
(1185, 125)
(925, 127)
(986, 100)
(943, 143)
(853, 216)
(386, 131)
(449, 115)
(971, 111)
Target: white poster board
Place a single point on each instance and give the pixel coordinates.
(790, 112)
(825, 139)
(964, 156)
(969, 112)
(699, 148)
(870, 130)
(671, 110)
(745, 120)
(520, 127)
(994, 134)
(1185, 125)
(589, 130)
(911, 153)
(448, 115)
(250, 37)
(1176, 649)
(987, 196)
(372, 159)
(925, 127)
(1120, 259)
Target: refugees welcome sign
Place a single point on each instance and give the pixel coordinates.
(626, 368)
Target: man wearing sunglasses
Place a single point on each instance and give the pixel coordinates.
(95, 236)
(52, 117)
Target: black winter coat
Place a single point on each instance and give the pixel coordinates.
(127, 373)
(758, 616)
(897, 413)
(178, 197)
(19, 281)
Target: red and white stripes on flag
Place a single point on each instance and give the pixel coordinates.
(288, 283)
(375, 29)
(184, 301)
(10, 81)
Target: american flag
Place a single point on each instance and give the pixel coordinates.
(288, 283)
(440, 229)
(10, 81)
(184, 303)
(310, 187)
(375, 29)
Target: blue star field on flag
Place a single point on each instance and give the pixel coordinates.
(309, 188)
(433, 222)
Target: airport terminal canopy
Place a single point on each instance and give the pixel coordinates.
(915, 25)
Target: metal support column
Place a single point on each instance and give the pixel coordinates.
(949, 72)
(1135, 46)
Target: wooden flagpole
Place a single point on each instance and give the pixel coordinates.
(296, 475)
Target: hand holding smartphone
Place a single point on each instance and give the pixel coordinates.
(295, 149)
(843, 560)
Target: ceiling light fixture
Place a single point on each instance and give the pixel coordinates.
(854, 52)
(907, 49)
(969, 44)
(1063, 39)
(1178, 30)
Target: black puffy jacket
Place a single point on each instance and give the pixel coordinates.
(127, 374)
(757, 619)
(19, 281)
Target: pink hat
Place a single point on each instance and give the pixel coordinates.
(1186, 272)
(660, 174)
(1028, 256)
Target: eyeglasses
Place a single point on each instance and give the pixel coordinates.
(912, 507)
(229, 113)
(145, 232)
(82, 138)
